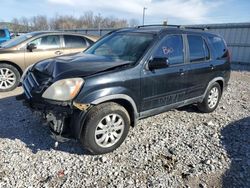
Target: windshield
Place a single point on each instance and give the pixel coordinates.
(15, 41)
(122, 46)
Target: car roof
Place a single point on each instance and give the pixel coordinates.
(37, 33)
(53, 32)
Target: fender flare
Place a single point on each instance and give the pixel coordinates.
(78, 125)
(115, 97)
(211, 82)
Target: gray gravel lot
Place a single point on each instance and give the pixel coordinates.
(179, 148)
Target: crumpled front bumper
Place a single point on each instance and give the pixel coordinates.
(58, 117)
(65, 119)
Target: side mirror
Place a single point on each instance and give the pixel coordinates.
(31, 47)
(158, 63)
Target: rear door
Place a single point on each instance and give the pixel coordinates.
(165, 86)
(46, 46)
(200, 65)
(74, 44)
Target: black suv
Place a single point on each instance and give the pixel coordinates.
(129, 74)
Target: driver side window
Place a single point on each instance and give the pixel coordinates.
(171, 47)
(47, 42)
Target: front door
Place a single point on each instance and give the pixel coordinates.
(164, 86)
(44, 47)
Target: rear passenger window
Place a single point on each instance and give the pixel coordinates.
(198, 49)
(219, 47)
(72, 41)
(171, 47)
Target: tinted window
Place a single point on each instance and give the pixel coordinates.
(172, 48)
(122, 46)
(219, 47)
(74, 41)
(197, 48)
(2, 33)
(47, 42)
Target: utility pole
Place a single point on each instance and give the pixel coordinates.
(143, 15)
(99, 24)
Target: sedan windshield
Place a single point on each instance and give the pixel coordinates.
(122, 46)
(15, 41)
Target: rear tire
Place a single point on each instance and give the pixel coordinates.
(106, 127)
(211, 100)
(9, 77)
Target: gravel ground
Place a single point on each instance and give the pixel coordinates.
(179, 148)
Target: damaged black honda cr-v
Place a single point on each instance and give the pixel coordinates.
(129, 74)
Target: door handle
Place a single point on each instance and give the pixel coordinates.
(182, 72)
(58, 52)
(212, 67)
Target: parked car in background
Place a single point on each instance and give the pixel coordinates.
(4, 35)
(127, 75)
(19, 53)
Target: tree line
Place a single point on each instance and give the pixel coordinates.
(64, 22)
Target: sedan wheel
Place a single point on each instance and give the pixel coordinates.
(7, 78)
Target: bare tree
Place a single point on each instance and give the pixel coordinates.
(24, 22)
(86, 20)
(15, 24)
(59, 22)
(39, 23)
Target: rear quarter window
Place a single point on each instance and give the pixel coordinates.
(2, 34)
(220, 48)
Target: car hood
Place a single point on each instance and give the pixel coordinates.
(78, 65)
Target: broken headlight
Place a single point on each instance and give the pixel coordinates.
(64, 90)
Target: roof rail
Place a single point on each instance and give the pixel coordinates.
(160, 25)
(193, 27)
(175, 26)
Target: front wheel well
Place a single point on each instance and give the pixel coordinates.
(14, 65)
(128, 106)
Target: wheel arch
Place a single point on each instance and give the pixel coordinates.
(14, 65)
(219, 80)
(123, 100)
(221, 83)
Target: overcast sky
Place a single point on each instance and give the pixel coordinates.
(175, 11)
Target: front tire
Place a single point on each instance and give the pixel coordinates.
(106, 127)
(211, 100)
(9, 77)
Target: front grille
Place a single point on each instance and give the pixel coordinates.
(29, 83)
